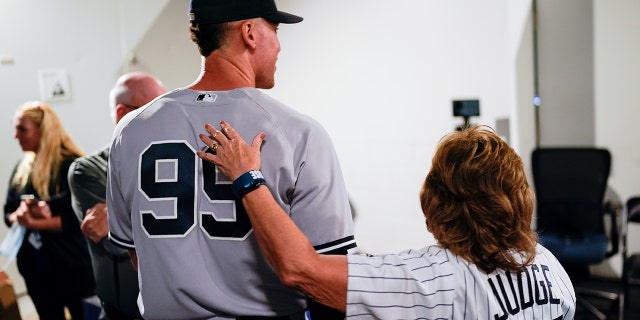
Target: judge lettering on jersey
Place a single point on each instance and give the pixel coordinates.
(487, 264)
(197, 254)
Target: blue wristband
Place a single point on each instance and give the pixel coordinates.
(247, 182)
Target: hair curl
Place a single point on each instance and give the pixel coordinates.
(477, 202)
(55, 146)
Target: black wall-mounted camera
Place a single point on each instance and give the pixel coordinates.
(466, 109)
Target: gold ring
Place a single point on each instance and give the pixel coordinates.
(214, 146)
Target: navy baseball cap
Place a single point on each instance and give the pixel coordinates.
(218, 11)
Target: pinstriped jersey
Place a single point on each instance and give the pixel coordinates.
(197, 255)
(433, 283)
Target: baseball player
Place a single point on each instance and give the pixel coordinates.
(478, 205)
(189, 234)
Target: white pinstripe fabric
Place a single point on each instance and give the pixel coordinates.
(433, 283)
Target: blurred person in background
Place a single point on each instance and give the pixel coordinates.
(53, 258)
(116, 280)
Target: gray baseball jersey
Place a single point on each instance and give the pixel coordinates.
(196, 252)
(433, 283)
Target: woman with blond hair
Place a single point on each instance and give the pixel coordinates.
(53, 259)
(478, 205)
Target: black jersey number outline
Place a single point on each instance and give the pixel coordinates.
(182, 188)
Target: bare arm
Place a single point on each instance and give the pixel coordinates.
(322, 277)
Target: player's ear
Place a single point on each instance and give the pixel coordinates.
(249, 33)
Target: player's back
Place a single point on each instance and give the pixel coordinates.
(433, 283)
(196, 253)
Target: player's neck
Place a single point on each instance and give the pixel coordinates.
(220, 73)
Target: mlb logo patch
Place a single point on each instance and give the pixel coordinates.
(206, 97)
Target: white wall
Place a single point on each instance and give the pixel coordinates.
(380, 76)
(89, 39)
(523, 132)
(617, 96)
(166, 49)
(566, 77)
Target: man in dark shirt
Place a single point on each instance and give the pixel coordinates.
(116, 280)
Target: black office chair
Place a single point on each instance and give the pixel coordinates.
(631, 267)
(570, 185)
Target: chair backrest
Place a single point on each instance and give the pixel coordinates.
(633, 210)
(570, 185)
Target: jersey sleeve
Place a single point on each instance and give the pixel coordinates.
(320, 203)
(120, 227)
(409, 285)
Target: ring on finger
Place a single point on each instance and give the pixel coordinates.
(214, 146)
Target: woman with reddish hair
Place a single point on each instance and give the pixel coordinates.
(487, 263)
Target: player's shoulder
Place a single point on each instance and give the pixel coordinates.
(543, 255)
(436, 261)
(279, 111)
(130, 118)
(182, 96)
(158, 102)
(432, 256)
(423, 264)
